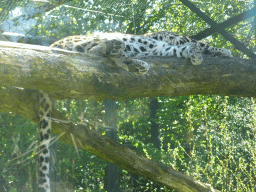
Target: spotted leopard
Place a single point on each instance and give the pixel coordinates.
(121, 47)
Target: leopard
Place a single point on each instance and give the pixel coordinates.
(122, 48)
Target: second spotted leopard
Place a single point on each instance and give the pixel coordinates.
(120, 47)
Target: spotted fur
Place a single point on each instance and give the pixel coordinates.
(120, 47)
(176, 39)
(45, 109)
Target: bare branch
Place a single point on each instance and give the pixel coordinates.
(231, 21)
(218, 28)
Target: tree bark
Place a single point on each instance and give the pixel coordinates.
(63, 74)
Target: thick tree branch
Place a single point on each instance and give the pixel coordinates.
(64, 74)
(25, 102)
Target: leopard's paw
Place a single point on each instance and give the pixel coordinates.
(137, 66)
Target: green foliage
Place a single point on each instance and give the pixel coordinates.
(222, 145)
(211, 138)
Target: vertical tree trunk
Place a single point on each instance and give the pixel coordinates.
(112, 171)
(153, 106)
